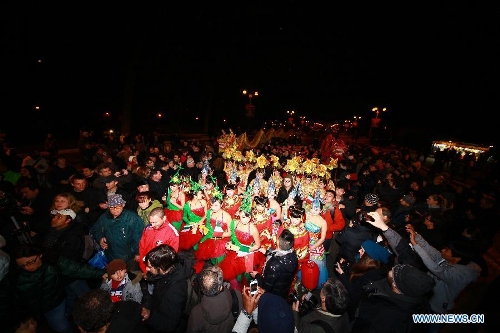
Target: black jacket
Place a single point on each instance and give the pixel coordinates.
(169, 297)
(279, 271)
(382, 310)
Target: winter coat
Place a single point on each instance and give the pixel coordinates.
(350, 240)
(339, 323)
(144, 213)
(42, 290)
(279, 271)
(169, 297)
(214, 314)
(151, 238)
(132, 287)
(450, 279)
(70, 241)
(382, 310)
(122, 234)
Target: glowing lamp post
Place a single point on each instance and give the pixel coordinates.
(250, 108)
(375, 123)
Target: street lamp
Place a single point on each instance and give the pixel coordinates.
(250, 94)
(375, 123)
(377, 111)
(249, 108)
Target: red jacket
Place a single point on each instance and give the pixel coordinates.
(336, 223)
(151, 238)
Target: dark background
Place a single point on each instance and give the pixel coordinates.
(434, 67)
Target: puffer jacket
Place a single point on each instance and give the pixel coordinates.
(122, 234)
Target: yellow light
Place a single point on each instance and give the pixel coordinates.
(244, 92)
(256, 93)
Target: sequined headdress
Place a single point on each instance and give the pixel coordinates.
(246, 204)
(271, 189)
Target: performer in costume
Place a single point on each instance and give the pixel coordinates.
(293, 199)
(262, 219)
(259, 176)
(212, 246)
(194, 212)
(208, 189)
(232, 201)
(274, 206)
(242, 177)
(316, 226)
(175, 201)
(296, 224)
(276, 174)
(243, 255)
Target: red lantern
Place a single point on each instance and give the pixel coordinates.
(310, 275)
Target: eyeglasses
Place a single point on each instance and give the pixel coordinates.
(116, 207)
(29, 262)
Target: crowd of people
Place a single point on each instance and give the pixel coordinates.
(357, 241)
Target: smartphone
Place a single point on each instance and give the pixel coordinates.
(253, 287)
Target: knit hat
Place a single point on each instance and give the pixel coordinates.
(115, 265)
(411, 281)
(275, 314)
(371, 198)
(69, 212)
(115, 200)
(376, 251)
(409, 199)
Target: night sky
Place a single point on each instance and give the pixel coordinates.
(435, 68)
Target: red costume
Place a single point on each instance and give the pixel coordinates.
(187, 239)
(240, 262)
(212, 246)
(264, 223)
(232, 205)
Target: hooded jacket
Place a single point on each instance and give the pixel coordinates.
(214, 314)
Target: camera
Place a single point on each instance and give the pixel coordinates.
(365, 217)
(309, 303)
(253, 287)
(345, 265)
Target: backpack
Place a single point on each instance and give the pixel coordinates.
(235, 309)
(193, 293)
(90, 247)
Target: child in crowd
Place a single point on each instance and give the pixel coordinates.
(122, 285)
